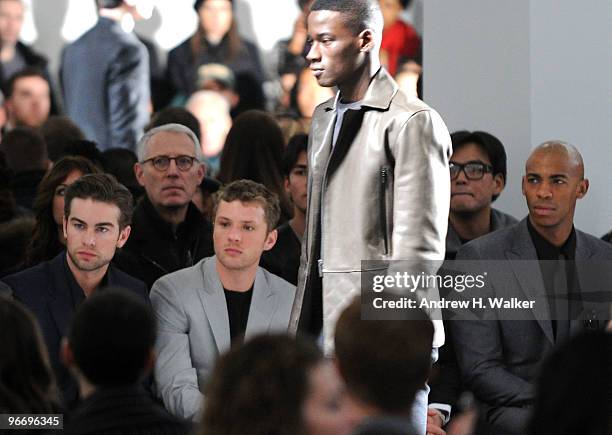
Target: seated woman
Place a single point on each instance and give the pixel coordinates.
(26, 380)
(274, 385)
(48, 238)
(216, 40)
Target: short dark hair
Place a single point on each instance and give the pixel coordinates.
(24, 149)
(102, 188)
(176, 115)
(250, 191)
(296, 145)
(84, 148)
(359, 14)
(111, 337)
(384, 363)
(108, 4)
(491, 145)
(26, 72)
(260, 387)
(58, 132)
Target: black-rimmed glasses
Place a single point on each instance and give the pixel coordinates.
(472, 170)
(162, 163)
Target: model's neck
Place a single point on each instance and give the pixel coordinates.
(471, 225)
(298, 223)
(556, 235)
(7, 52)
(355, 89)
(88, 280)
(115, 14)
(237, 280)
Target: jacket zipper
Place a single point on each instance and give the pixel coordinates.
(384, 179)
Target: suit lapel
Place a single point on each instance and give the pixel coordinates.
(262, 308)
(213, 301)
(524, 262)
(60, 301)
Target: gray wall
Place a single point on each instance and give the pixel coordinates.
(528, 71)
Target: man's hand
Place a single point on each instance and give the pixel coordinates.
(434, 422)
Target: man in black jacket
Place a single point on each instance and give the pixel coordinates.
(168, 231)
(110, 350)
(97, 215)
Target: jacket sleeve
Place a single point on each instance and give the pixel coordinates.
(128, 96)
(175, 377)
(421, 197)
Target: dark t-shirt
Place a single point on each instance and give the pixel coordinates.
(238, 305)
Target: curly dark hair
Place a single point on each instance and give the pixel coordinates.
(259, 388)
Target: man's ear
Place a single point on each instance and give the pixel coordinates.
(500, 183)
(124, 234)
(139, 173)
(270, 240)
(523, 182)
(65, 226)
(583, 188)
(366, 40)
(286, 183)
(201, 172)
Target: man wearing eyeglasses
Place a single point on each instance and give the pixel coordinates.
(168, 231)
(478, 176)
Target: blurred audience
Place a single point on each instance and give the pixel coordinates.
(27, 384)
(176, 115)
(28, 98)
(574, 389)
(84, 148)
(213, 113)
(221, 79)
(400, 40)
(216, 40)
(97, 215)
(274, 385)
(284, 257)
(256, 157)
(110, 350)
(48, 237)
(120, 163)
(109, 99)
(384, 364)
(16, 56)
(223, 300)
(204, 196)
(168, 231)
(26, 156)
(59, 132)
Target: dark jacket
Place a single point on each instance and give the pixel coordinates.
(154, 249)
(284, 258)
(124, 410)
(47, 290)
(250, 75)
(105, 81)
(34, 60)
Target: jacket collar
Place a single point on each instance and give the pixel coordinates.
(379, 94)
(213, 301)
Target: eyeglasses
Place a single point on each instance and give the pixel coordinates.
(472, 170)
(162, 163)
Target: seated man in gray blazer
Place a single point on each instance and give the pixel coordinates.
(200, 310)
(500, 351)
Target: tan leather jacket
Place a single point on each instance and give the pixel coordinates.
(384, 191)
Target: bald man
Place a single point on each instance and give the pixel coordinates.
(540, 262)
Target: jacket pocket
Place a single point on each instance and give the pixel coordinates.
(385, 181)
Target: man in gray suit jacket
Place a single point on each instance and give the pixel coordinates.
(499, 350)
(200, 310)
(105, 79)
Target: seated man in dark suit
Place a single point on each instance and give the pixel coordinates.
(383, 363)
(499, 350)
(97, 215)
(284, 257)
(109, 350)
(224, 299)
(168, 231)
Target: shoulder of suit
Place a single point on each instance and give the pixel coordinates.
(597, 246)
(278, 284)
(495, 241)
(189, 277)
(128, 280)
(29, 281)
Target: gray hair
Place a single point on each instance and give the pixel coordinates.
(143, 143)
